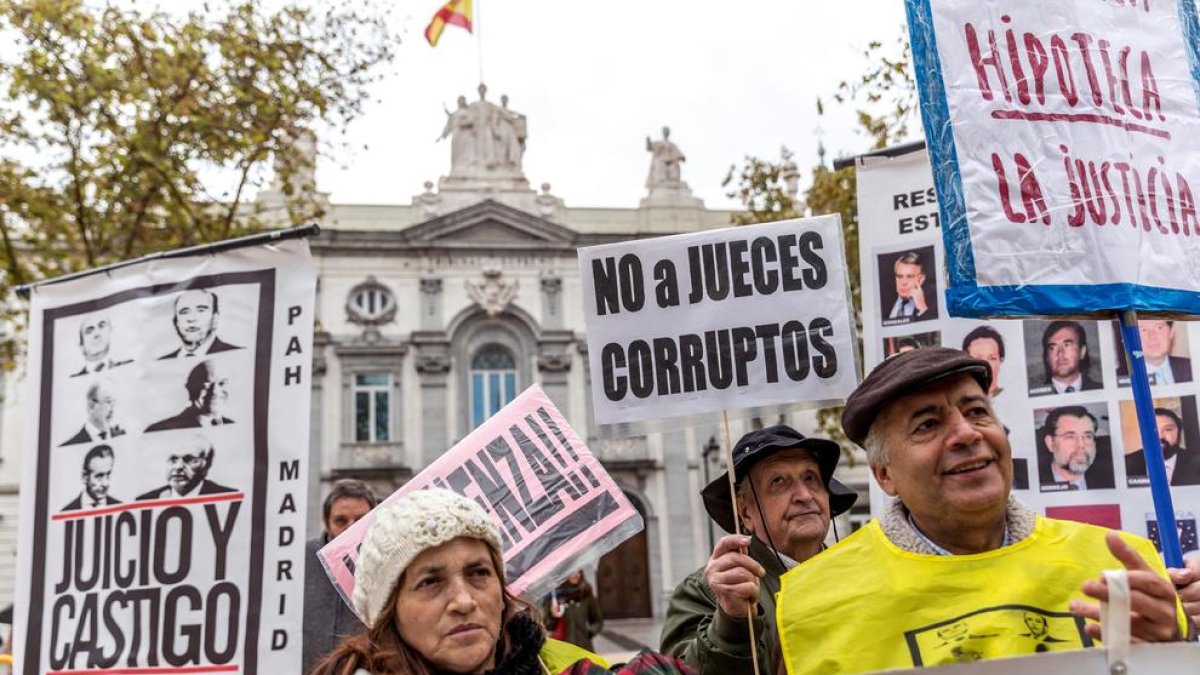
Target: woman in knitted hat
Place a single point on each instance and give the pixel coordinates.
(430, 586)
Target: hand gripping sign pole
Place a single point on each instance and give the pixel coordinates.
(737, 529)
(1164, 509)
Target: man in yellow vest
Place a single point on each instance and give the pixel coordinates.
(955, 569)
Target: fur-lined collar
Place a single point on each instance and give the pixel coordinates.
(900, 532)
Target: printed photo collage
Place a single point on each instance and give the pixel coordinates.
(1061, 387)
(152, 401)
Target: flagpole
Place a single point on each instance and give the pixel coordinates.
(479, 36)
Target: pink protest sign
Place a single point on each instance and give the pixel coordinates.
(556, 506)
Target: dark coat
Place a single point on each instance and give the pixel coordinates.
(188, 418)
(207, 487)
(82, 436)
(217, 346)
(580, 611)
(327, 618)
(704, 637)
(107, 365)
(1187, 466)
(77, 503)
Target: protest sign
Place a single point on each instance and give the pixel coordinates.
(719, 320)
(556, 506)
(1065, 139)
(897, 215)
(163, 497)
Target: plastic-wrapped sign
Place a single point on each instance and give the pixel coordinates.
(726, 319)
(556, 506)
(1065, 141)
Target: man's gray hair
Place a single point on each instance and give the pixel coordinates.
(874, 444)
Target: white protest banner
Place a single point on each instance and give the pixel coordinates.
(556, 506)
(897, 215)
(163, 497)
(719, 320)
(1065, 139)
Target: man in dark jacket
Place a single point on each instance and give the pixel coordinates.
(327, 618)
(786, 495)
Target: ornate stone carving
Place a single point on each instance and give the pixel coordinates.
(554, 363)
(665, 160)
(370, 303)
(431, 286)
(551, 284)
(432, 364)
(628, 449)
(494, 293)
(485, 139)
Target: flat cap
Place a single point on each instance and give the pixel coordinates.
(903, 374)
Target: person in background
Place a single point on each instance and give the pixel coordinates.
(327, 618)
(572, 613)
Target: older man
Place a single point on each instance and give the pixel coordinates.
(1182, 464)
(786, 494)
(953, 568)
(99, 424)
(208, 394)
(195, 318)
(187, 471)
(1074, 458)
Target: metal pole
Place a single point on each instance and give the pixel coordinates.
(309, 230)
(1164, 509)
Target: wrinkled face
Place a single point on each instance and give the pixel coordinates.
(1063, 353)
(947, 454)
(94, 335)
(1157, 338)
(988, 350)
(344, 512)
(908, 278)
(187, 467)
(213, 396)
(450, 604)
(195, 319)
(1168, 431)
(96, 476)
(1073, 444)
(794, 502)
(101, 404)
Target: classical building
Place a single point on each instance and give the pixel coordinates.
(434, 314)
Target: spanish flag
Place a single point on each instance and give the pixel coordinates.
(455, 13)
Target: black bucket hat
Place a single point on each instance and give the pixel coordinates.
(758, 445)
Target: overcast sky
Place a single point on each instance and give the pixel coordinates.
(595, 78)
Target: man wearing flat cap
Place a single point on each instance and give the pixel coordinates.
(955, 569)
(786, 494)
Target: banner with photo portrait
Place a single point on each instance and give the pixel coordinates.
(1065, 137)
(164, 478)
(1061, 386)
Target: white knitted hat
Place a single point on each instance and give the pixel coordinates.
(401, 530)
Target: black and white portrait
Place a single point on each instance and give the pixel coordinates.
(95, 342)
(195, 317)
(188, 465)
(99, 424)
(208, 396)
(97, 474)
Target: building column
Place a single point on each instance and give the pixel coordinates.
(433, 369)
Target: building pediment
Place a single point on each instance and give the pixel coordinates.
(490, 223)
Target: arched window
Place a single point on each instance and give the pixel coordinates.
(493, 382)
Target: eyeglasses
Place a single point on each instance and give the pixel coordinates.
(1073, 437)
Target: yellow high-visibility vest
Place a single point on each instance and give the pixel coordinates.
(866, 605)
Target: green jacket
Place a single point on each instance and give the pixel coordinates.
(712, 642)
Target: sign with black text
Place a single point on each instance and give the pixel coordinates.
(719, 320)
(163, 496)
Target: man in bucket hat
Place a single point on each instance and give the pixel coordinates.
(786, 495)
(955, 569)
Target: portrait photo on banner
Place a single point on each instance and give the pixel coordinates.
(907, 285)
(906, 343)
(1179, 433)
(1165, 345)
(1062, 356)
(1074, 447)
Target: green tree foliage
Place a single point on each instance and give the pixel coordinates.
(125, 132)
(886, 98)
